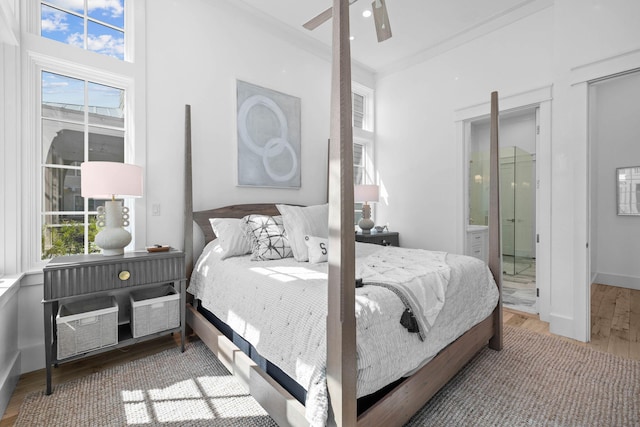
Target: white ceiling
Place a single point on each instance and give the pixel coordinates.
(421, 28)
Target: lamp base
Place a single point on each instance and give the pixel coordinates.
(366, 224)
(113, 238)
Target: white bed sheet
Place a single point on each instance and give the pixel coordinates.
(280, 307)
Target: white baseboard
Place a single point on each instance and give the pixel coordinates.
(8, 380)
(563, 325)
(629, 282)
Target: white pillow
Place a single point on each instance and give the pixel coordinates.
(231, 237)
(304, 221)
(318, 249)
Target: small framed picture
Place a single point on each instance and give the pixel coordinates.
(628, 190)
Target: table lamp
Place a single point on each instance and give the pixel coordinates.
(108, 180)
(366, 193)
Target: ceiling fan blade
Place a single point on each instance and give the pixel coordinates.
(315, 22)
(381, 18)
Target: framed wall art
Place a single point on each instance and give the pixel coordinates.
(628, 190)
(269, 137)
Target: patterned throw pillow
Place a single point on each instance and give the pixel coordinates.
(267, 236)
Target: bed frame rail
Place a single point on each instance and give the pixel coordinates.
(280, 405)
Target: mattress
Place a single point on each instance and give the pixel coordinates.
(280, 308)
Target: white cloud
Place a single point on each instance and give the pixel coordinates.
(55, 84)
(104, 44)
(54, 21)
(76, 39)
(114, 6)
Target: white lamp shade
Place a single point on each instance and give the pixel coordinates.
(104, 180)
(365, 193)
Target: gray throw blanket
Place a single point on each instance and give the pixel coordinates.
(417, 277)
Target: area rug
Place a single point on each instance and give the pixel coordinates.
(169, 388)
(536, 380)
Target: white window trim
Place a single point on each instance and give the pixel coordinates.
(81, 64)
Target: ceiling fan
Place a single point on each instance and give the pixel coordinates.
(380, 16)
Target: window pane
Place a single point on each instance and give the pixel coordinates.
(61, 190)
(94, 204)
(62, 143)
(62, 97)
(61, 26)
(358, 154)
(358, 163)
(358, 111)
(105, 40)
(111, 12)
(106, 145)
(358, 175)
(64, 235)
(106, 105)
(64, 21)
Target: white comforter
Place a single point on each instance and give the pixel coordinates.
(280, 307)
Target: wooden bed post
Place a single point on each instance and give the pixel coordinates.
(341, 322)
(495, 252)
(188, 195)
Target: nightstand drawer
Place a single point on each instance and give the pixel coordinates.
(74, 279)
(390, 238)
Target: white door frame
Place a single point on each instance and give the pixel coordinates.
(580, 78)
(540, 98)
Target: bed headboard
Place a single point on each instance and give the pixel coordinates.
(234, 211)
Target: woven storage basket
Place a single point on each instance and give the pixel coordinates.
(154, 310)
(87, 325)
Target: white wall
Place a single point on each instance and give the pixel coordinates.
(415, 126)
(195, 54)
(591, 39)
(614, 143)
(9, 354)
(9, 199)
(560, 46)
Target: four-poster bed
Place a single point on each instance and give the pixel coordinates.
(407, 395)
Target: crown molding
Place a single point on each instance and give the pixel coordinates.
(493, 23)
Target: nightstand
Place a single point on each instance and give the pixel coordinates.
(88, 279)
(387, 238)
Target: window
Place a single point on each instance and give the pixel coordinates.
(80, 121)
(97, 26)
(362, 105)
(358, 110)
(80, 104)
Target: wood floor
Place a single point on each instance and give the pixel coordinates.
(615, 321)
(615, 328)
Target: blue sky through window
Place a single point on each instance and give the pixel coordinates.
(64, 21)
(58, 89)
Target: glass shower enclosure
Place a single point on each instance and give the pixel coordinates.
(517, 210)
(517, 204)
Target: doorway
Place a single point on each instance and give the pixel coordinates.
(614, 180)
(518, 140)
